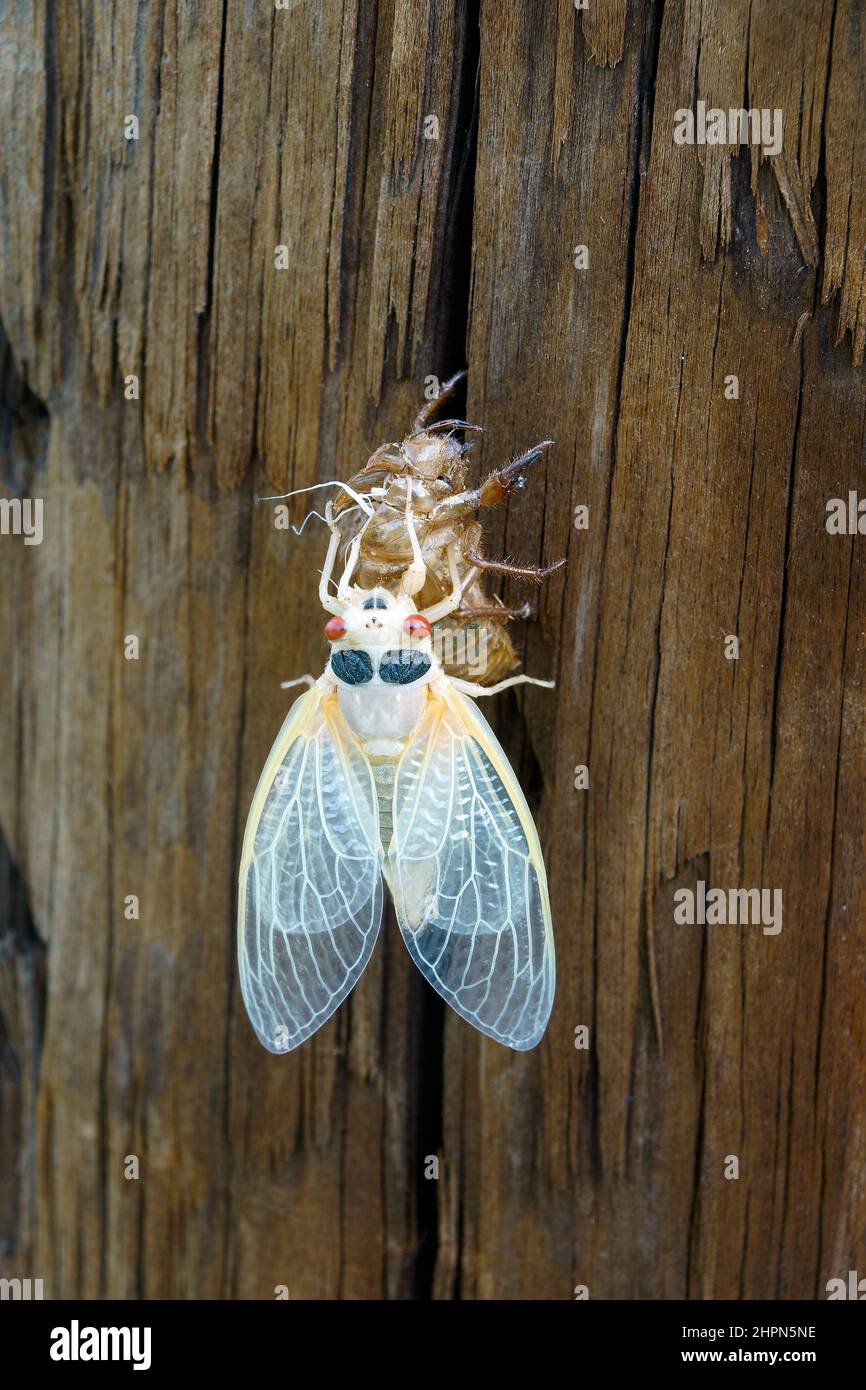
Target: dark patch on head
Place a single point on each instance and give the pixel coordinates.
(353, 667)
(403, 667)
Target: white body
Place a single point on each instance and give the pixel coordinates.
(383, 717)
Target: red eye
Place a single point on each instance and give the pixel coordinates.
(334, 628)
(416, 626)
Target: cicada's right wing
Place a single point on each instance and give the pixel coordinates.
(467, 875)
(310, 898)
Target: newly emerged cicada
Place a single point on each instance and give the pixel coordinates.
(385, 770)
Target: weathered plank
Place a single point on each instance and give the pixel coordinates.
(707, 518)
(245, 1165)
(156, 257)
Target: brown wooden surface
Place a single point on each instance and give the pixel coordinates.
(409, 256)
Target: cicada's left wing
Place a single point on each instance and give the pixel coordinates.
(467, 875)
(310, 897)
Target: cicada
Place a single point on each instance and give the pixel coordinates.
(385, 773)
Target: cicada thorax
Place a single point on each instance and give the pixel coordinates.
(472, 643)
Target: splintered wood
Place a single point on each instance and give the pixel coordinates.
(245, 290)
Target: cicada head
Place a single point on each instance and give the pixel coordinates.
(378, 618)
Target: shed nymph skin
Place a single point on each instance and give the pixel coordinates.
(434, 459)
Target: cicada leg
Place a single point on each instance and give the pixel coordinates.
(386, 459)
(476, 691)
(533, 573)
(429, 408)
(452, 601)
(415, 575)
(500, 482)
(330, 605)
(351, 562)
(494, 610)
(495, 487)
(299, 680)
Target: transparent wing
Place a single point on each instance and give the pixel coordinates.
(467, 875)
(310, 899)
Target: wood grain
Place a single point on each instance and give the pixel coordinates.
(408, 254)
